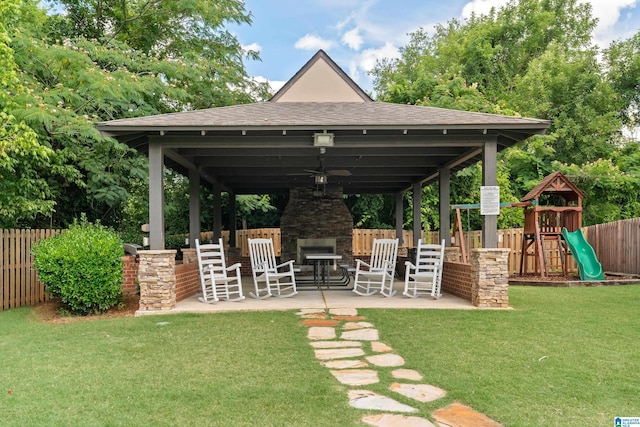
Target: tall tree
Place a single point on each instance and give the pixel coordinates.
(623, 62)
(74, 77)
(532, 58)
(23, 193)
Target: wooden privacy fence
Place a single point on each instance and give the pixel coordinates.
(18, 282)
(617, 245)
(512, 239)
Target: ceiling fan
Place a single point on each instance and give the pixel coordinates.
(320, 175)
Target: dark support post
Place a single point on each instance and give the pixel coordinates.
(156, 197)
(445, 201)
(194, 207)
(417, 218)
(489, 178)
(217, 213)
(399, 219)
(232, 220)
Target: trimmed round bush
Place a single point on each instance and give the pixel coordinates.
(82, 267)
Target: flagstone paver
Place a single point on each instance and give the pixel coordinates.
(314, 316)
(365, 399)
(460, 415)
(321, 333)
(419, 392)
(356, 325)
(345, 364)
(350, 318)
(343, 311)
(356, 376)
(319, 322)
(387, 359)
(395, 420)
(380, 347)
(338, 353)
(307, 311)
(335, 344)
(406, 374)
(361, 335)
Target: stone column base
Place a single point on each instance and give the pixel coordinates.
(490, 273)
(157, 277)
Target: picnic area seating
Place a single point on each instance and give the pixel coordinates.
(218, 281)
(377, 275)
(425, 276)
(279, 279)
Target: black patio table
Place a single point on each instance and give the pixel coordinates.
(321, 266)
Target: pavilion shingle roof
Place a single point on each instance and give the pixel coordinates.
(325, 114)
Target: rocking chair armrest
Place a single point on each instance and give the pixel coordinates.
(234, 266)
(284, 264)
(409, 264)
(361, 262)
(389, 265)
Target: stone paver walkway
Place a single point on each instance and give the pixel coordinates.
(350, 347)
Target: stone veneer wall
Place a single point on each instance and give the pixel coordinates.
(157, 277)
(490, 270)
(309, 217)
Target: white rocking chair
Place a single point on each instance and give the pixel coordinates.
(218, 281)
(373, 277)
(279, 279)
(425, 276)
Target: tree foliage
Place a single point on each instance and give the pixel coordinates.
(93, 61)
(23, 193)
(532, 58)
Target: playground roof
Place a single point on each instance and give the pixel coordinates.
(555, 183)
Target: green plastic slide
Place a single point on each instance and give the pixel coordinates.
(588, 265)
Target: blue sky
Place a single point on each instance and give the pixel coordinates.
(356, 33)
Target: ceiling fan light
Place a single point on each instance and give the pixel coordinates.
(320, 179)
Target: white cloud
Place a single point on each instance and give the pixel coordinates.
(253, 46)
(368, 58)
(608, 14)
(274, 84)
(362, 63)
(313, 42)
(353, 39)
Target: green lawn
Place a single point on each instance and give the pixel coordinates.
(564, 356)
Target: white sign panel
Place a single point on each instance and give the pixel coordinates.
(489, 200)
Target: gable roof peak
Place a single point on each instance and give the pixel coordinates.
(321, 80)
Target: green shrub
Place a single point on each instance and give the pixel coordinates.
(82, 267)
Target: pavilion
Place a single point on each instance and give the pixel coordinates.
(319, 130)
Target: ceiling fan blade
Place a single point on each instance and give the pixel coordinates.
(314, 172)
(339, 172)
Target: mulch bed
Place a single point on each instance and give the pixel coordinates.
(50, 311)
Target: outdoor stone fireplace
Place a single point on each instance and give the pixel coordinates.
(316, 220)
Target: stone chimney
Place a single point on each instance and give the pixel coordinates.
(316, 215)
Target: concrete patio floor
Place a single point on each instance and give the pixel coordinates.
(311, 297)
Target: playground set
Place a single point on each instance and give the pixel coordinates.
(552, 213)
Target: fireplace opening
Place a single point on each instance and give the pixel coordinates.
(322, 246)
